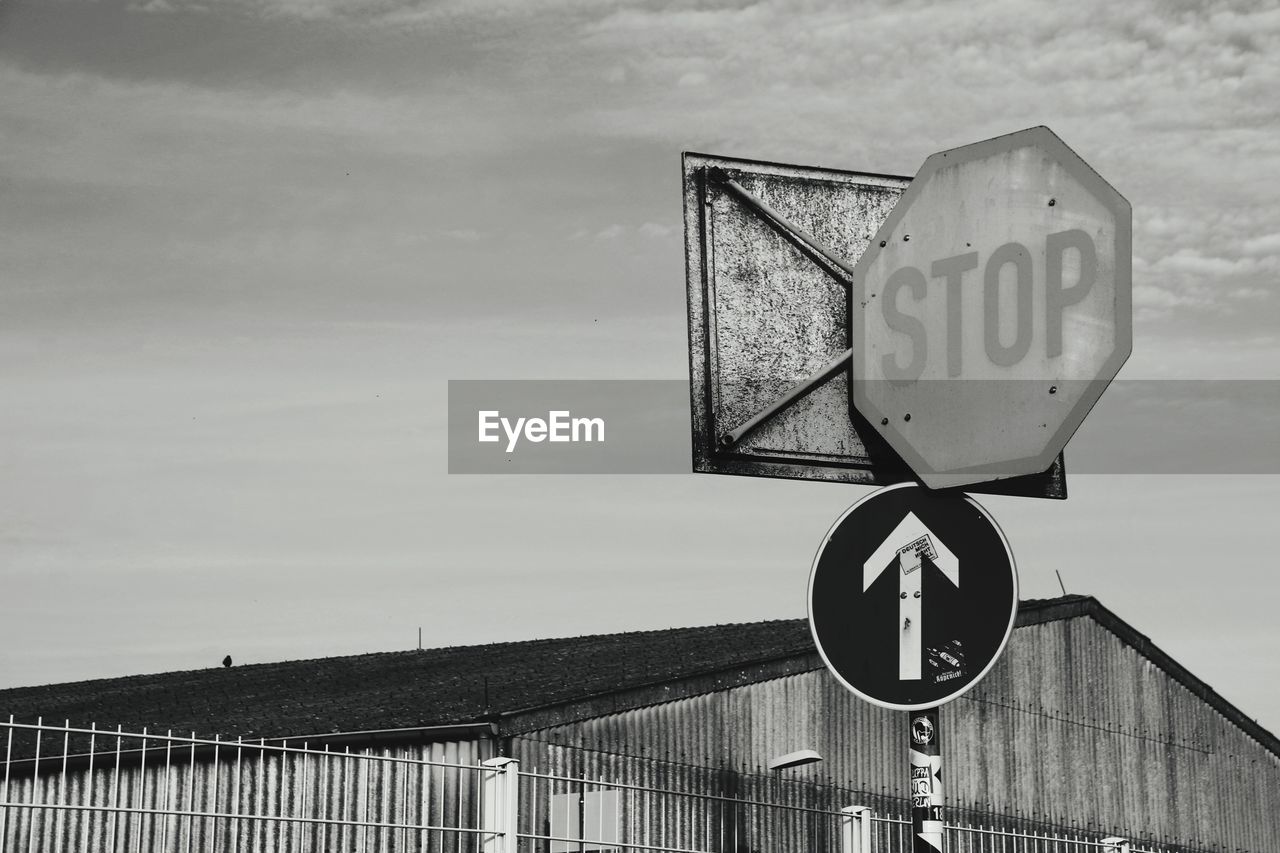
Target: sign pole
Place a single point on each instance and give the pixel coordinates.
(947, 566)
(926, 782)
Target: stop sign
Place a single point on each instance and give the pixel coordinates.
(992, 309)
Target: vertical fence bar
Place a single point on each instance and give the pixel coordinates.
(168, 763)
(283, 828)
(215, 769)
(114, 820)
(33, 814)
(363, 808)
(60, 822)
(323, 788)
(304, 829)
(260, 827)
(424, 792)
(191, 792)
(4, 814)
(346, 818)
(93, 747)
(142, 794)
(855, 829)
(473, 779)
(499, 798)
(235, 796)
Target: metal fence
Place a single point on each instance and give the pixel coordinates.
(878, 834)
(66, 788)
(569, 814)
(565, 814)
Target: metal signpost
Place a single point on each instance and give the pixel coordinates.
(926, 782)
(953, 330)
(948, 567)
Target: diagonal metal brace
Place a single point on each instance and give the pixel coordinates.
(827, 261)
(797, 391)
(833, 266)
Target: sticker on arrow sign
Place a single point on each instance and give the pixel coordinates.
(912, 596)
(945, 662)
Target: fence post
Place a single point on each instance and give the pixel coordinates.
(499, 803)
(1116, 844)
(855, 829)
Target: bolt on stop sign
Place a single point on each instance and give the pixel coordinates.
(992, 309)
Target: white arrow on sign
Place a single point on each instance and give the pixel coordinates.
(906, 547)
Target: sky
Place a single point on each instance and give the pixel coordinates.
(244, 245)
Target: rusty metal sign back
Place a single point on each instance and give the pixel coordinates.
(770, 250)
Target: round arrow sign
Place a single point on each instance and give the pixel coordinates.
(912, 596)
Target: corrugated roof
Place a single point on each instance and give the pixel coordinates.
(525, 684)
(405, 689)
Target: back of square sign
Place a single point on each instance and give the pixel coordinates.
(767, 249)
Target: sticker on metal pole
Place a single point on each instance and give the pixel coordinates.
(926, 782)
(912, 596)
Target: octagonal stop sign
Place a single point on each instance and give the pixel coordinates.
(992, 309)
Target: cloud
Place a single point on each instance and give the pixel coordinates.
(200, 130)
(653, 229)
(1187, 278)
(1265, 244)
(465, 235)
(162, 6)
(1170, 101)
(381, 13)
(1146, 296)
(287, 188)
(1192, 262)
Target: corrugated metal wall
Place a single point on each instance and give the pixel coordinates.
(674, 806)
(1073, 728)
(334, 788)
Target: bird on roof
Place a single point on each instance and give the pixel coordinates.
(226, 661)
